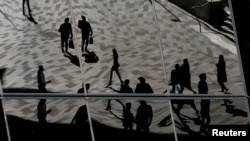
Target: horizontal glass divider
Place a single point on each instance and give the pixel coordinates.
(121, 96)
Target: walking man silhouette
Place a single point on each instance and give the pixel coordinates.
(205, 104)
(143, 87)
(66, 33)
(143, 117)
(42, 112)
(115, 68)
(86, 32)
(41, 80)
(185, 80)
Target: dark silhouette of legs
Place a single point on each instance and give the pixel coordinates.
(28, 6)
(64, 44)
(118, 74)
(85, 43)
(205, 121)
(223, 87)
(111, 75)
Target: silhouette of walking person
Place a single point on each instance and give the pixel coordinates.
(143, 87)
(205, 104)
(125, 88)
(175, 79)
(86, 32)
(41, 80)
(42, 112)
(222, 77)
(115, 68)
(128, 117)
(185, 80)
(66, 33)
(221, 73)
(144, 117)
(41, 115)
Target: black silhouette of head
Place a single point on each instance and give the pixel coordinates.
(66, 20)
(202, 76)
(142, 79)
(126, 82)
(41, 68)
(84, 18)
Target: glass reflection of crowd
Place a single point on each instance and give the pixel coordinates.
(179, 80)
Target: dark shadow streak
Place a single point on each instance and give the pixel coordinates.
(235, 112)
(73, 59)
(10, 20)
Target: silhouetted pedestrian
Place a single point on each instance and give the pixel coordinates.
(222, 77)
(66, 33)
(41, 115)
(41, 80)
(42, 112)
(205, 104)
(125, 88)
(143, 87)
(185, 77)
(221, 73)
(175, 79)
(128, 117)
(176, 76)
(86, 32)
(115, 68)
(144, 117)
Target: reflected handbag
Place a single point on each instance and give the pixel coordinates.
(91, 40)
(71, 44)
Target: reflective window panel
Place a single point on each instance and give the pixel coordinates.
(32, 52)
(125, 44)
(201, 119)
(199, 37)
(51, 119)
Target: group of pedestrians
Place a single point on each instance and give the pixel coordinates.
(180, 77)
(66, 34)
(143, 117)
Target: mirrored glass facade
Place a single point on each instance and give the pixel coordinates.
(120, 70)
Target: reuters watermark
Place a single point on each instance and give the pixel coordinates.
(231, 132)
